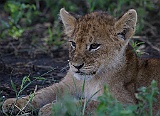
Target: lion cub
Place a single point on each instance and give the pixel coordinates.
(98, 54)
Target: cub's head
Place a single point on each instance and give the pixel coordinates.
(97, 41)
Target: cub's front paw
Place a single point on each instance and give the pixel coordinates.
(13, 105)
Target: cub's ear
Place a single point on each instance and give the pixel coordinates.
(68, 21)
(125, 26)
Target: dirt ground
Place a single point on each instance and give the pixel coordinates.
(24, 58)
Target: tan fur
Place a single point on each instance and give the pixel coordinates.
(111, 63)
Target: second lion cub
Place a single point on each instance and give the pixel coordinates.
(99, 54)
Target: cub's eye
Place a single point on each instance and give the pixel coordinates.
(73, 44)
(94, 46)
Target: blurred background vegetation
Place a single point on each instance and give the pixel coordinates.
(17, 16)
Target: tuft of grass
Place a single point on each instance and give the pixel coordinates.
(17, 12)
(111, 107)
(25, 83)
(108, 105)
(146, 97)
(66, 105)
(55, 35)
(136, 45)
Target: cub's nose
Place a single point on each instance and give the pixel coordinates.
(78, 66)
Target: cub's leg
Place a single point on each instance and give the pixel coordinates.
(89, 109)
(42, 97)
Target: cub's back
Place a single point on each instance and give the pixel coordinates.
(149, 69)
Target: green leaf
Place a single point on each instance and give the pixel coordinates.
(4, 24)
(39, 78)
(14, 87)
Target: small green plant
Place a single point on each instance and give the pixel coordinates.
(55, 35)
(18, 12)
(146, 97)
(70, 5)
(66, 106)
(111, 107)
(135, 45)
(94, 4)
(25, 83)
(22, 87)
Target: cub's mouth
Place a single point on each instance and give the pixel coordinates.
(82, 73)
(84, 76)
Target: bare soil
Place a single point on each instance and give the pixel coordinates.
(28, 56)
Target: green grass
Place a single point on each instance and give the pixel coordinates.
(66, 105)
(136, 45)
(25, 83)
(109, 106)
